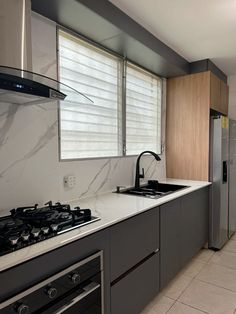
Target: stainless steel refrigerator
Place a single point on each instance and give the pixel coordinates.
(232, 177)
(219, 176)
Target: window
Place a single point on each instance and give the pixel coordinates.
(109, 125)
(143, 111)
(89, 129)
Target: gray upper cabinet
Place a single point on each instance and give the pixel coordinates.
(184, 231)
(133, 240)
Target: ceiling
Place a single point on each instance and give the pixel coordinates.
(195, 29)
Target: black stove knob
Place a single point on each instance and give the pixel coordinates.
(13, 240)
(45, 230)
(35, 232)
(75, 278)
(54, 227)
(25, 236)
(51, 292)
(23, 309)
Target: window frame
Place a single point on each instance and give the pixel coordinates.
(124, 62)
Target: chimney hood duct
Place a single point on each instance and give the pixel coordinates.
(18, 84)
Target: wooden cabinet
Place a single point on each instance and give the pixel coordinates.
(219, 96)
(189, 100)
(224, 94)
(215, 88)
(184, 231)
(187, 127)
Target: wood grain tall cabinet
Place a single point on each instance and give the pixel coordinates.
(189, 100)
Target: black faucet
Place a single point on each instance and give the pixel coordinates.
(138, 175)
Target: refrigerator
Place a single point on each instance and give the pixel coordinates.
(219, 176)
(223, 177)
(232, 177)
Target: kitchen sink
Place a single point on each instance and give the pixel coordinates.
(153, 189)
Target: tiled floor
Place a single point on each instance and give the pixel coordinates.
(206, 285)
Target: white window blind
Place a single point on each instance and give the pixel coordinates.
(143, 111)
(89, 129)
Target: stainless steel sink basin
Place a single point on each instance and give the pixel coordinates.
(153, 189)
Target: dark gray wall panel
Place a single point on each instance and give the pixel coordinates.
(207, 65)
(105, 24)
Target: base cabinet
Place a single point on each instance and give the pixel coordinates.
(183, 232)
(131, 293)
(195, 213)
(170, 237)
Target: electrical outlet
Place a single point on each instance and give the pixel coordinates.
(70, 181)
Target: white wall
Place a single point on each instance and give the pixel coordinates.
(30, 171)
(232, 96)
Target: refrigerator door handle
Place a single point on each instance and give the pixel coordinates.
(225, 172)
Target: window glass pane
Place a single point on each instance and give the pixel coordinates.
(89, 129)
(143, 111)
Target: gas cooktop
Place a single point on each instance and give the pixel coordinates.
(28, 225)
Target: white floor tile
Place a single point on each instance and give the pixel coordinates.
(230, 246)
(193, 268)
(209, 298)
(224, 258)
(177, 286)
(161, 304)
(219, 275)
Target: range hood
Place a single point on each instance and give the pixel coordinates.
(18, 84)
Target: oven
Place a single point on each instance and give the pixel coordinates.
(76, 289)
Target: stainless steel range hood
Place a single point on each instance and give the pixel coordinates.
(18, 84)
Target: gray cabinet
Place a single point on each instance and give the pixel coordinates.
(183, 231)
(170, 240)
(134, 262)
(133, 240)
(194, 207)
(137, 288)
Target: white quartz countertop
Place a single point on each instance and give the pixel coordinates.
(110, 207)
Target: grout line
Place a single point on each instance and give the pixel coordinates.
(185, 289)
(231, 268)
(193, 307)
(212, 284)
(171, 306)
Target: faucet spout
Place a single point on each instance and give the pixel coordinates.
(138, 175)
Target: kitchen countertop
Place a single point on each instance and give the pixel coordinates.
(110, 207)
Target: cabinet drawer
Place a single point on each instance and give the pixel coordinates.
(133, 240)
(137, 289)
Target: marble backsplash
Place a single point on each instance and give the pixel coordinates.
(30, 170)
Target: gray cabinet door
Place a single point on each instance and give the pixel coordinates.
(133, 240)
(184, 231)
(137, 288)
(195, 214)
(170, 240)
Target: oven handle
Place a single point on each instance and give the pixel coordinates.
(87, 290)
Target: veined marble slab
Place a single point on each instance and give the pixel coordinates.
(110, 207)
